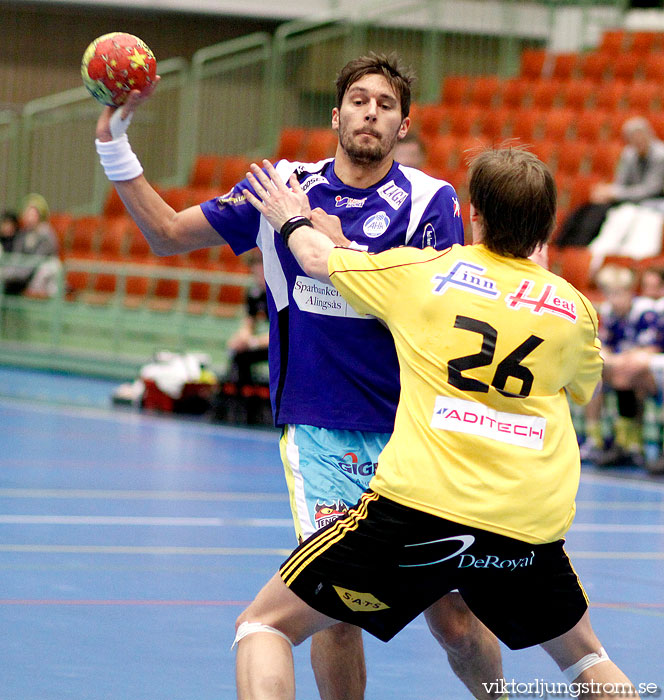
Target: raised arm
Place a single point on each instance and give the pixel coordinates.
(168, 232)
(288, 211)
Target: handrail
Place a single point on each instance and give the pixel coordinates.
(56, 108)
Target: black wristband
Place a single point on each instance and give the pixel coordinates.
(290, 226)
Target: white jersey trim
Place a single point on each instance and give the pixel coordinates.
(423, 190)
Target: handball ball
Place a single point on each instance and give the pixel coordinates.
(114, 65)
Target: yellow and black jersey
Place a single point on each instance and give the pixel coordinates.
(487, 347)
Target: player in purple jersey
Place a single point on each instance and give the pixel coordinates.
(333, 374)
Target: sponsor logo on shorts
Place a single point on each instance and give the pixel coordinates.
(359, 602)
(465, 540)
(313, 181)
(349, 202)
(547, 302)
(392, 194)
(492, 561)
(376, 224)
(324, 513)
(350, 464)
(320, 298)
(461, 416)
(467, 277)
(467, 560)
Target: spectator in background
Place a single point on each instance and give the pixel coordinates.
(410, 151)
(248, 345)
(35, 237)
(639, 178)
(628, 323)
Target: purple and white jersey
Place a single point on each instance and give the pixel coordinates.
(329, 366)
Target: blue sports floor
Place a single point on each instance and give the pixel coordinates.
(129, 543)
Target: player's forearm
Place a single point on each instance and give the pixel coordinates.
(155, 218)
(311, 249)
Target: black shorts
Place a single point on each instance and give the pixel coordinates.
(383, 564)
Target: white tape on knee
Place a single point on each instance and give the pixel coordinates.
(247, 628)
(575, 670)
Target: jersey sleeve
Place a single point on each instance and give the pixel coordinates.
(234, 219)
(440, 224)
(589, 367)
(368, 281)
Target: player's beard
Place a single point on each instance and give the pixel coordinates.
(365, 154)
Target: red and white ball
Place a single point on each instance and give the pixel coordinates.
(114, 65)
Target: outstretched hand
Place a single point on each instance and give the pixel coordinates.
(273, 199)
(114, 121)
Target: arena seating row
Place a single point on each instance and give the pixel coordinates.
(568, 108)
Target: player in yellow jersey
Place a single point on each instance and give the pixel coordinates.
(476, 487)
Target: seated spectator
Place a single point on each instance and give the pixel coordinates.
(248, 345)
(35, 237)
(627, 322)
(639, 178)
(9, 226)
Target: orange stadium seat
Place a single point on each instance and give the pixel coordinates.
(611, 95)
(431, 119)
(573, 264)
(578, 94)
(613, 41)
(643, 95)
(177, 197)
(653, 66)
(532, 62)
(61, 223)
(557, 123)
(113, 237)
(626, 66)
(604, 158)
(546, 150)
(657, 121)
(233, 170)
(319, 144)
(485, 90)
(205, 171)
(441, 154)
(527, 124)
(516, 92)
(290, 143)
(455, 89)
(546, 93)
(466, 120)
(564, 66)
(138, 249)
(643, 42)
(595, 65)
(498, 125)
(83, 238)
(591, 124)
(113, 205)
(580, 186)
(572, 157)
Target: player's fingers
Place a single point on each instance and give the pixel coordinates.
(275, 178)
(254, 201)
(258, 188)
(262, 178)
(295, 184)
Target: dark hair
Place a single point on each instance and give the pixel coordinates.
(397, 75)
(11, 216)
(515, 194)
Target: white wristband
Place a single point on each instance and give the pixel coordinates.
(118, 160)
